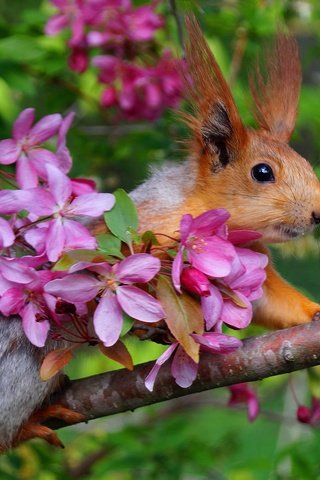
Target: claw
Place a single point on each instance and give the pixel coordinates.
(33, 428)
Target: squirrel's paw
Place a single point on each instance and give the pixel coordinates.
(33, 428)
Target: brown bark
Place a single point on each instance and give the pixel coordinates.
(260, 357)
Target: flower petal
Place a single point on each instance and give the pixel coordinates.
(206, 224)
(242, 393)
(40, 157)
(108, 319)
(76, 287)
(184, 370)
(23, 123)
(215, 259)
(236, 316)
(9, 151)
(92, 204)
(212, 307)
(82, 185)
(26, 174)
(63, 130)
(185, 227)
(101, 268)
(46, 128)
(12, 301)
(77, 236)
(35, 331)
(36, 237)
(59, 184)
(138, 268)
(13, 270)
(243, 236)
(139, 304)
(55, 240)
(7, 236)
(214, 342)
(177, 266)
(151, 377)
(55, 24)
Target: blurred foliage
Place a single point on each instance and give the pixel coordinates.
(168, 442)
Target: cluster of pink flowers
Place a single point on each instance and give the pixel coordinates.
(138, 80)
(41, 219)
(227, 278)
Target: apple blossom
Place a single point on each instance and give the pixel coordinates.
(115, 287)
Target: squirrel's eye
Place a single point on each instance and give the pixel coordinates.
(262, 173)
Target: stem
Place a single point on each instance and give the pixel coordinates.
(177, 18)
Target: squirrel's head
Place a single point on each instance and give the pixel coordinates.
(265, 185)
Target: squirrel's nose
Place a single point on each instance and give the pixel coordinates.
(315, 217)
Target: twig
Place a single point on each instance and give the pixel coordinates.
(175, 14)
(260, 357)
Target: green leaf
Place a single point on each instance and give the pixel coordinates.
(8, 104)
(110, 244)
(127, 324)
(23, 214)
(123, 217)
(75, 256)
(21, 49)
(149, 238)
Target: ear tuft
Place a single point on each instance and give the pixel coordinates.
(216, 123)
(276, 96)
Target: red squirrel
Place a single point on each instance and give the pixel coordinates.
(254, 174)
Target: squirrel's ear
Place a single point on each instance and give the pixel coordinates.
(276, 97)
(216, 122)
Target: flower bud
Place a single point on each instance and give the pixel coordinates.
(195, 281)
(303, 414)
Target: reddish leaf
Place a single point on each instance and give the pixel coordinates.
(183, 316)
(54, 362)
(119, 353)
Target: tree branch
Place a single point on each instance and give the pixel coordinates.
(260, 357)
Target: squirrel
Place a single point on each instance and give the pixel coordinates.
(254, 174)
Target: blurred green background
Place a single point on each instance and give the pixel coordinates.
(195, 438)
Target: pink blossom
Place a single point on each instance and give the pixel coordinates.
(117, 293)
(183, 369)
(78, 60)
(310, 415)
(25, 147)
(70, 15)
(245, 279)
(140, 92)
(242, 393)
(61, 233)
(30, 302)
(115, 25)
(204, 247)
